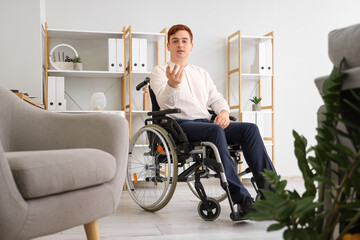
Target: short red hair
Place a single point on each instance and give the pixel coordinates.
(179, 27)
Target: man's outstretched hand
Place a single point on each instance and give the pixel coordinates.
(174, 78)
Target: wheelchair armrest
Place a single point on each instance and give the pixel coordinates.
(232, 118)
(164, 112)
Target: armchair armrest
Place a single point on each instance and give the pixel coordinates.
(351, 80)
(13, 208)
(34, 129)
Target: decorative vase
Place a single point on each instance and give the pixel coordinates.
(98, 101)
(64, 65)
(78, 66)
(256, 107)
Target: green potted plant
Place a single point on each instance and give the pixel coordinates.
(256, 106)
(307, 216)
(77, 63)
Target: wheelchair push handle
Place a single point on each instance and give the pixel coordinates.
(142, 84)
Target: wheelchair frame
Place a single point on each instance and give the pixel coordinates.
(198, 153)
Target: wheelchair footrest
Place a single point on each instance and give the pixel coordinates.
(155, 179)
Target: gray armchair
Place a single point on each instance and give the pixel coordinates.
(343, 43)
(57, 170)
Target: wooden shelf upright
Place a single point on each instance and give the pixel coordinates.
(128, 74)
(258, 76)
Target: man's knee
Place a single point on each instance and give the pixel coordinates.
(252, 127)
(217, 130)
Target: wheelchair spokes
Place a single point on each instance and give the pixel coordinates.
(152, 168)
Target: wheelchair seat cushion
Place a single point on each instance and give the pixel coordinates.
(43, 173)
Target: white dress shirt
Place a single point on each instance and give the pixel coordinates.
(195, 94)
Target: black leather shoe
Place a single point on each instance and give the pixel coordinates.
(246, 206)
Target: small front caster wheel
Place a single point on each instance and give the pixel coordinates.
(209, 211)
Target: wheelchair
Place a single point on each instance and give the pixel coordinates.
(160, 149)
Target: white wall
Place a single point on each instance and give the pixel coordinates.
(300, 27)
(20, 46)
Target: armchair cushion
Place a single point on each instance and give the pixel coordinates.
(344, 42)
(43, 173)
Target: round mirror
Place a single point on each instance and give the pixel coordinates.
(61, 55)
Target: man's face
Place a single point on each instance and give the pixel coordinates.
(180, 46)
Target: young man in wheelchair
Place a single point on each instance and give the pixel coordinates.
(189, 88)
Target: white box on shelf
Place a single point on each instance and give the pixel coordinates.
(120, 55)
(143, 55)
(269, 55)
(51, 98)
(60, 94)
(262, 58)
(135, 54)
(112, 54)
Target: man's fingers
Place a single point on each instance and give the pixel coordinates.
(179, 73)
(168, 71)
(174, 70)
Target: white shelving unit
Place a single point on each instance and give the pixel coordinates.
(92, 47)
(249, 76)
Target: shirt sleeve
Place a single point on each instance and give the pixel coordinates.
(166, 96)
(215, 100)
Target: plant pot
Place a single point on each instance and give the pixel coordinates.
(64, 65)
(256, 107)
(78, 66)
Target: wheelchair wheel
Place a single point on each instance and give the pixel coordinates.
(211, 183)
(209, 211)
(152, 168)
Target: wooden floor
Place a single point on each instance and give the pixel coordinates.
(177, 221)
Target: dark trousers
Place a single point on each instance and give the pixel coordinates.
(247, 135)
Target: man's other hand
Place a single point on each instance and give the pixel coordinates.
(174, 78)
(222, 119)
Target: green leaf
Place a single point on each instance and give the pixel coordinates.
(281, 186)
(294, 194)
(315, 163)
(259, 216)
(323, 179)
(353, 106)
(300, 145)
(270, 196)
(284, 209)
(275, 227)
(338, 159)
(289, 235)
(342, 133)
(349, 124)
(344, 149)
(306, 234)
(305, 206)
(355, 95)
(352, 205)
